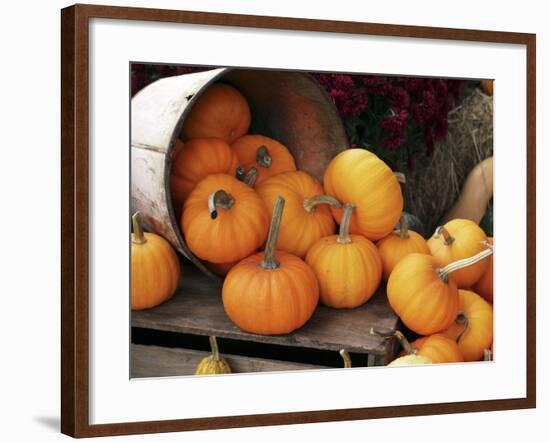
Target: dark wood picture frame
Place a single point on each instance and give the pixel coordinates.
(74, 219)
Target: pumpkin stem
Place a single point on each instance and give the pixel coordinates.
(400, 177)
(462, 263)
(263, 158)
(343, 234)
(441, 230)
(270, 262)
(240, 173)
(138, 237)
(250, 177)
(346, 357)
(462, 319)
(219, 199)
(310, 203)
(403, 227)
(214, 348)
(409, 349)
(487, 355)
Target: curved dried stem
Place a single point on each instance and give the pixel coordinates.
(346, 357)
(343, 234)
(270, 262)
(219, 199)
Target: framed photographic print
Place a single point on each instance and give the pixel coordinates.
(297, 207)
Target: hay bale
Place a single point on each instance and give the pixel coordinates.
(435, 182)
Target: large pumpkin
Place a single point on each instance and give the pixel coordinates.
(307, 217)
(422, 293)
(359, 177)
(194, 161)
(348, 267)
(224, 220)
(473, 328)
(266, 155)
(484, 286)
(460, 239)
(271, 292)
(155, 268)
(398, 244)
(220, 112)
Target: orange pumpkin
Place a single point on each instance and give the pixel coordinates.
(271, 292)
(155, 268)
(266, 155)
(220, 112)
(359, 177)
(348, 267)
(422, 293)
(409, 356)
(194, 161)
(223, 219)
(307, 217)
(484, 286)
(460, 239)
(473, 328)
(398, 244)
(439, 348)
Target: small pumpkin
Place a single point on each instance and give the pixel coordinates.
(348, 267)
(155, 268)
(307, 217)
(460, 239)
(398, 244)
(271, 292)
(220, 112)
(213, 364)
(266, 155)
(484, 286)
(423, 295)
(438, 348)
(224, 220)
(359, 177)
(473, 327)
(409, 356)
(194, 161)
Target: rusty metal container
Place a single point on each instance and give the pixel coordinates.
(290, 107)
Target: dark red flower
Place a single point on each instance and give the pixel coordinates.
(396, 122)
(394, 140)
(399, 98)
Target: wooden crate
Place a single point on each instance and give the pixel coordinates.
(196, 312)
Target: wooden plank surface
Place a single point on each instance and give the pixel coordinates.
(197, 309)
(152, 361)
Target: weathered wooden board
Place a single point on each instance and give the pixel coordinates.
(197, 309)
(152, 361)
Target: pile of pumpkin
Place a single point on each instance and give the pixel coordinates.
(236, 193)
